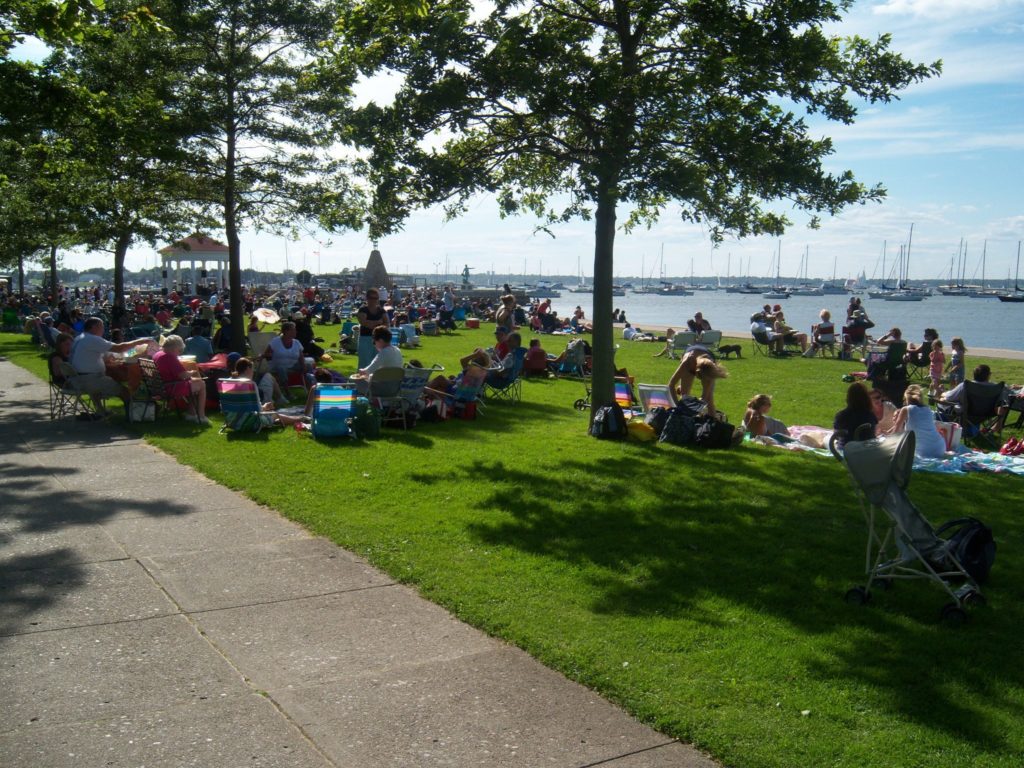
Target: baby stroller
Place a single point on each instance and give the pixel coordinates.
(880, 471)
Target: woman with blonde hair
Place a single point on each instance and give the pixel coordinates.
(179, 382)
(918, 418)
(697, 363)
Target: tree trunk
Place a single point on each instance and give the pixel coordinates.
(120, 251)
(603, 382)
(54, 294)
(238, 324)
(21, 275)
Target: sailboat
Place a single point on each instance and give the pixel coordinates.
(581, 285)
(805, 288)
(777, 291)
(882, 290)
(1018, 295)
(957, 288)
(983, 293)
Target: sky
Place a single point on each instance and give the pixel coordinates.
(950, 153)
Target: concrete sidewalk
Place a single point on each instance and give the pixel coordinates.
(151, 617)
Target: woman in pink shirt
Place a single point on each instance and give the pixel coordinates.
(180, 383)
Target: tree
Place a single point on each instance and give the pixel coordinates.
(136, 181)
(264, 142)
(577, 108)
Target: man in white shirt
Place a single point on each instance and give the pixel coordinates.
(388, 355)
(88, 358)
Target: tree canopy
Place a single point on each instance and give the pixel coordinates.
(575, 108)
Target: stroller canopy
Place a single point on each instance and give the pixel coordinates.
(874, 464)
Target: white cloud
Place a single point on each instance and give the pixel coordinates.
(943, 9)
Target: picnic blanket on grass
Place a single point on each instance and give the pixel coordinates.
(961, 462)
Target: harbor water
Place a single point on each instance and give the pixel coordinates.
(985, 322)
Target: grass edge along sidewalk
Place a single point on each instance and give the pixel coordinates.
(701, 591)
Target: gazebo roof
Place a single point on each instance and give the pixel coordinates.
(198, 247)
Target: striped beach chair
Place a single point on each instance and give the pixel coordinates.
(654, 396)
(333, 406)
(240, 404)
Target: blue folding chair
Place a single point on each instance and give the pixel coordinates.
(333, 406)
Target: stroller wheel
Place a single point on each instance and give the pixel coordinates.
(953, 615)
(974, 598)
(580, 405)
(857, 596)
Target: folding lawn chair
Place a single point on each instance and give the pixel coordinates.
(979, 412)
(624, 396)
(333, 406)
(384, 390)
(156, 389)
(69, 399)
(510, 386)
(240, 404)
(654, 396)
(409, 338)
(763, 343)
(711, 339)
(681, 341)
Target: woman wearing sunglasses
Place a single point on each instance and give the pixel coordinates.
(371, 315)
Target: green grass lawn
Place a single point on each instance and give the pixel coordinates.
(700, 590)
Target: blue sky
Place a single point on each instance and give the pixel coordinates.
(950, 153)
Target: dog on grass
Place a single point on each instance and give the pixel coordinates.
(730, 349)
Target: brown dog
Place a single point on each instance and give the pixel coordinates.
(730, 349)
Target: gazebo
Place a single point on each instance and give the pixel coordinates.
(195, 249)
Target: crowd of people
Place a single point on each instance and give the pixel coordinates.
(85, 332)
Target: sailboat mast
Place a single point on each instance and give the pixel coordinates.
(906, 264)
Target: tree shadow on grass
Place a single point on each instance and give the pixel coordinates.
(783, 538)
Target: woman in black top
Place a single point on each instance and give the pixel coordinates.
(371, 315)
(858, 412)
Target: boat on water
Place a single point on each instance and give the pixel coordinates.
(903, 295)
(671, 289)
(746, 288)
(831, 288)
(776, 294)
(582, 289)
(806, 290)
(1017, 295)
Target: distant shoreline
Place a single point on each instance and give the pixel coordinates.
(1003, 354)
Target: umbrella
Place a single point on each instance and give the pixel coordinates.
(266, 315)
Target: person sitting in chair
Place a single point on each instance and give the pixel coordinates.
(918, 354)
(502, 377)
(698, 324)
(763, 334)
(179, 382)
(388, 355)
(823, 334)
(244, 370)
(789, 335)
(950, 402)
(286, 356)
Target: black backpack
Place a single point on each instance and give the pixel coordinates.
(656, 418)
(680, 427)
(712, 433)
(609, 423)
(971, 543)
